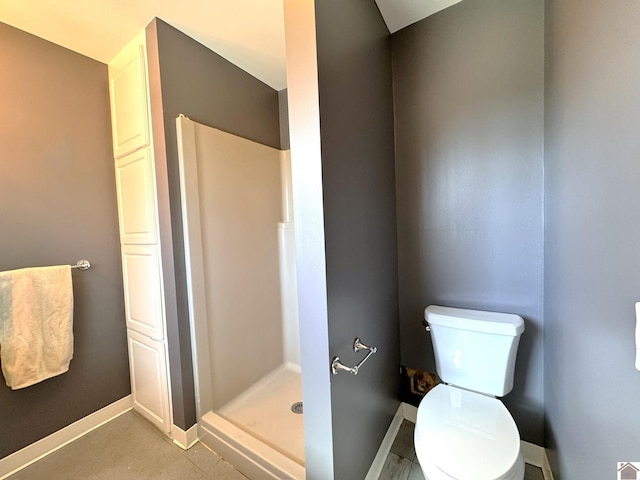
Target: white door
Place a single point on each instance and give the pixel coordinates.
(144, 302)
(148, 369)
(136, 193)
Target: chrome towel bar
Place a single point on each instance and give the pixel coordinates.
(82, 265)
(338, 366)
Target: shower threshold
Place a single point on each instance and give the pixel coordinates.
(257, 431)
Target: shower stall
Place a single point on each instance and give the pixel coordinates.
(241, 281)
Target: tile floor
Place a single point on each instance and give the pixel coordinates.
(130, 448)
(402, 463)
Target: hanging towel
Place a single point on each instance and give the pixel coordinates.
(36, 324)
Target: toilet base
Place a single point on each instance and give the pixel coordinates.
(431, 472)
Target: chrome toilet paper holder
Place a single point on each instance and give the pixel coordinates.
(337, 366)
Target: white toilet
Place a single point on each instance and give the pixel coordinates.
(463, 432)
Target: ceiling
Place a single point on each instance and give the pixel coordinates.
(249, 33)
(398, 14)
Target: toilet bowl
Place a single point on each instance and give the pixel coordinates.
(463, 435)
(463, 432)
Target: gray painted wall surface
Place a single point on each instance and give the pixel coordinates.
(192, 80)
(592, 265)
(356, 130)
(468, 93)
(283, 100)
(57, 206)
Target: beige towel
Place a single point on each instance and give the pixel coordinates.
(36, 324)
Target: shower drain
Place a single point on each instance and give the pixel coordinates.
(296, 407)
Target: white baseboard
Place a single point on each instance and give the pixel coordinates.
(537, 456)
(184, 440)
(546, 468)
(533, 454)
(385, 446)
(410, 412)
(31, 453)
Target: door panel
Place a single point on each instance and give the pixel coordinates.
(148, 366)
(143, 290)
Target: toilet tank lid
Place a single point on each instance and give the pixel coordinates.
(475, 320)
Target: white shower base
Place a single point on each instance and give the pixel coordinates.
(257, 431)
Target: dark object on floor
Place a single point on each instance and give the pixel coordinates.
(415, 384)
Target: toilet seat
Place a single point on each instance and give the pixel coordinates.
(468, 436)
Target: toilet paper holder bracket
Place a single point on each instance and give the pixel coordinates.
(337, 366)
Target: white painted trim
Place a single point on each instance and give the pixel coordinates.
(410, 412)
(546, 468)
(385, 446)
(533, 454)
(184, 440)
(537, 456)
(31, 453)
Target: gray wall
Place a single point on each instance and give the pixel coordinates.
(592, 264)
(57, 206)
(468, 93)
(283, 99)
(356, 132)
(188, 78)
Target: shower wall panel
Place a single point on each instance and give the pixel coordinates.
(185, 77)
(240, 207)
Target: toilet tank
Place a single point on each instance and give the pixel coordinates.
(475, 349)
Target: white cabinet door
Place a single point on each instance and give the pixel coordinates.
(136, 192)
(128, 92)
(149, 382)
(143, 288)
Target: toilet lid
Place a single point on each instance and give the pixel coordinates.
(466, 434)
